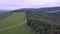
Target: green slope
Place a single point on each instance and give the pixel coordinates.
(23, 29)
(14, 19)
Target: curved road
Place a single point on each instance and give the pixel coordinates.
(13, 26)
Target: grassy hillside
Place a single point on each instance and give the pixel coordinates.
(23, 29)
(14, 19)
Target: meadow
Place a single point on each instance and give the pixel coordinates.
(14, 19)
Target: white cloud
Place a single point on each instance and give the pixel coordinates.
(15, 4)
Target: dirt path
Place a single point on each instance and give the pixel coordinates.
(13, 26)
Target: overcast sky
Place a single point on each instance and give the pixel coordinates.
(17, 4)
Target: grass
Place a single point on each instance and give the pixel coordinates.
(14, 19)
(23, 29)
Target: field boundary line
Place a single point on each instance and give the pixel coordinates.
(13, 26)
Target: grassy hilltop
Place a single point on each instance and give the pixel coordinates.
(14, 19)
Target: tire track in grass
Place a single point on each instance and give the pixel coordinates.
(13, 26)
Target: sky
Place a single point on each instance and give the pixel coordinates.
(18, 4)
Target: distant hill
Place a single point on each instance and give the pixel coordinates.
(34, 9)
(53, 12)
(47, 9)
(50, 11)
(6, 10)
(39, 9)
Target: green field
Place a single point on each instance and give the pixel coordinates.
(14, 19)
